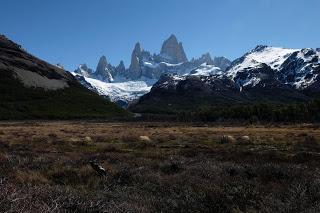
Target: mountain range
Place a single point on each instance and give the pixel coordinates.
(263, 75)
(170, 81)
(126, 85)
(154, 83)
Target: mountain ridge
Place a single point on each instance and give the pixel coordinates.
(291, 74)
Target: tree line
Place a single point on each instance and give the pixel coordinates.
(265, 112)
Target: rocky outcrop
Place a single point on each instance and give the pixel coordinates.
(172, 51)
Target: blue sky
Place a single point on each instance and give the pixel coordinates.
(80, 31)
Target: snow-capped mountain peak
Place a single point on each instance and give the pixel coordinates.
(126, 85)
(271, 56)
(290, 66)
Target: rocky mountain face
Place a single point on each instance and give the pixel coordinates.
(265, 74)
(29, 70)
(135, 70)
(104, 70)
(222, 62)
(84, 70)
(205, 58)
(33, 89)
(172, 51)
(171, 60)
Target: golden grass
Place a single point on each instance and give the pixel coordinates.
(156, 167)
(31, 177)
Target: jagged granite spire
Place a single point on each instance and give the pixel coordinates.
(104, 70)
(137, 50)
(135, 68)
(120, 69)
(102, 65)
(172, 51)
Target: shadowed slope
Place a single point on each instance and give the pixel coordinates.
(31, 88)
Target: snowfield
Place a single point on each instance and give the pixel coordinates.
(127, 91)
(272, 56)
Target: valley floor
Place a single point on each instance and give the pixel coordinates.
(158, 167)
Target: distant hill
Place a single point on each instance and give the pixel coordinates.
(31, 88)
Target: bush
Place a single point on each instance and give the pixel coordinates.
(170, 168)
(307, 143)
(225, 139)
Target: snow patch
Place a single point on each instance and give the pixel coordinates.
(206, 70)
(150, 65)
(252, 82)
(302, 82)
(171, 65)
(178, 78)
(173, 81)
